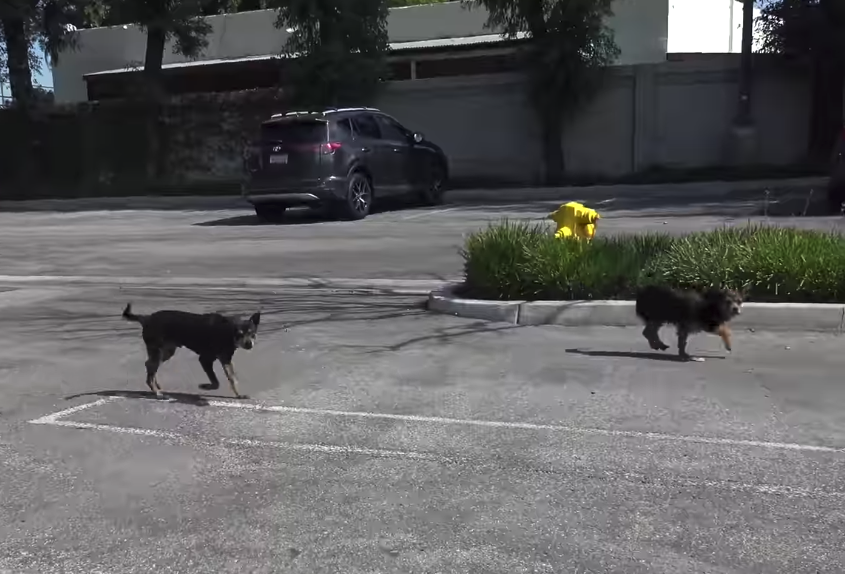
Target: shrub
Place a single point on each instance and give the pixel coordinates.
(522, 261)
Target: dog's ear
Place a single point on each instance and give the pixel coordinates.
(256, 318)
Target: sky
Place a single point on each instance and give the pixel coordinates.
(706, 26)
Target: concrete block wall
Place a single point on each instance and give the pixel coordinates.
(671, 115)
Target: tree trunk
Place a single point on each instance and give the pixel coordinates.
(20, 84)
(154, 98)
(826, 115)
(17, 52)
(551, 124)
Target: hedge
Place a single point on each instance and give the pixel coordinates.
(519, 261)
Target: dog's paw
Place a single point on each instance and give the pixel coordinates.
(209, 387)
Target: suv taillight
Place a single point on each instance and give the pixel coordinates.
(330, 148)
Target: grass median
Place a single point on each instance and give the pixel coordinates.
(519, 261)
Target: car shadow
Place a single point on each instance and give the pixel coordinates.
(306, 215)
(666, 357)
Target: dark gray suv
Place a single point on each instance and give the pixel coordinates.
(342, 159)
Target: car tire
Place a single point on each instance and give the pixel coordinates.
(358, 200)
(270, 213)
(435, 184)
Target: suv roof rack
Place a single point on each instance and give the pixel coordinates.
(326, 111)
(298, 113)
(355, 109)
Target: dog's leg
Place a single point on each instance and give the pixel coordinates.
(233, 381)
(154, 360)
(208, 366)
(725, 333)
(652, 335)
(683, 336)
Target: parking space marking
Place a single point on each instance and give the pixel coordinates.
(317, 448)
(534, 426)
(55, 420)
(424, 213)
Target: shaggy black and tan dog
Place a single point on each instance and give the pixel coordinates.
(689, 311)
(212, 336)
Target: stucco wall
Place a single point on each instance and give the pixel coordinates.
(668, 115)
(641, 28)
(672, 115)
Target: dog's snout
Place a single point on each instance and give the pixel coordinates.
(249, 344)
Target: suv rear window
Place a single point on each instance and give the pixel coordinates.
(295, 131)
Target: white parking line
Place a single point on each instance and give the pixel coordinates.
(532, 426)
(318, 448)
(54, 419)
(641, 479)
(421, 214)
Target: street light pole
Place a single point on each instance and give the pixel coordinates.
(743, 132)
(745, 78)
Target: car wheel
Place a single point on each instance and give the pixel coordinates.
(359, 198)
(270, 213)
(435, 186)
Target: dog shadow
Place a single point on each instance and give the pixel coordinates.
(191, 399)
(666, 357)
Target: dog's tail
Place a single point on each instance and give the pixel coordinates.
(130, 316)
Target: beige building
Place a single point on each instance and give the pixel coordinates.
(640, 27)
(455, 82)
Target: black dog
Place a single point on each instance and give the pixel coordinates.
(689, 312)
(212, 336)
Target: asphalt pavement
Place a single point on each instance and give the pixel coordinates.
(400, 242)
(382, 438)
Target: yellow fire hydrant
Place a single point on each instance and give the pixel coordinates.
(573, 219)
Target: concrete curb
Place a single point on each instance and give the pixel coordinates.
(716, 189)
(763, 316)
(455, 197)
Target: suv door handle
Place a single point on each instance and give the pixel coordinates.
(366, 150)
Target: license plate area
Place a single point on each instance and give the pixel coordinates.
(279, 159)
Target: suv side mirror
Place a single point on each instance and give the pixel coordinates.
(418, 137)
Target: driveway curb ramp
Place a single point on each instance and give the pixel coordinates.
(763, 316)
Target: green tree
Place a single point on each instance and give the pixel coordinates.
(162, 20)
(570, 47)
(25, 24)
(337, 50)
(17, 24)
(812, 32)
(179, 20)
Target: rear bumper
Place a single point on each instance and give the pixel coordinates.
(301, 193)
